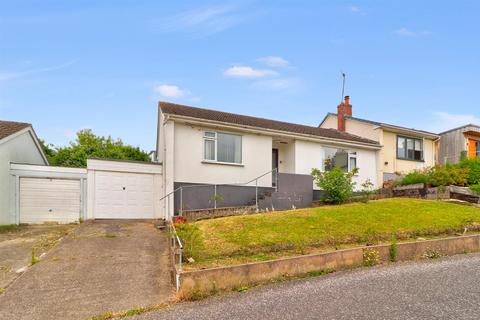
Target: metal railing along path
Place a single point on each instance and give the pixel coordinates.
(177, 248)
(215, 186)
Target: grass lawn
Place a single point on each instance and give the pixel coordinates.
(265, 236)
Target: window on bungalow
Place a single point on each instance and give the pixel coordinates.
(409, 148)
(339, 158)
(222, 147)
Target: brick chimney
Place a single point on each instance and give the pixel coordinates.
(344, 109)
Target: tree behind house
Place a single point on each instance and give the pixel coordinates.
(89, 145)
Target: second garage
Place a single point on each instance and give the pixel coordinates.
(124, 190)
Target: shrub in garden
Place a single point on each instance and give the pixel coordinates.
(191, 237)
(336, 184)
(473, 167)
(414, 177)
(447, 175)
(438, 176)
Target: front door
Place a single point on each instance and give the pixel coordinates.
(274, 166)
(472, 148)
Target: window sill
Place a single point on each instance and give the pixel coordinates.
(223, 163)
(410, 160)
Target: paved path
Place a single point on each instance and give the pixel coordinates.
(437, 289)
(102, 266)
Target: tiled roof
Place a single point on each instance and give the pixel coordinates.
(8, 128)
(212, 115)
(382, 124)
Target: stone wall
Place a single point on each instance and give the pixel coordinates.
(437, 193)
(194, 215)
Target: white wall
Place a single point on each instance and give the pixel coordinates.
(21, 149)
(309, 155)
(189, 165)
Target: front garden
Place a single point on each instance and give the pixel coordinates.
(265, 236)
(465, 173)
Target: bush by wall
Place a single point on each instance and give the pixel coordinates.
(336, 184)
(473, 167)
(438, 176)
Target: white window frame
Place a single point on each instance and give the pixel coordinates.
(215, 139)
(352, 155)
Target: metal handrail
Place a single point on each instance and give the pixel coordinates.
(223, 184)
(176, 241)
(226, 184)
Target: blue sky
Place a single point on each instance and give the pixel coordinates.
(68, 65)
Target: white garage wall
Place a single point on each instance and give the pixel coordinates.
(17, 148)
(121, 172)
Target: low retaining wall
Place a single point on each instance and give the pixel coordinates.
(438, 193)
(194, 215)
(227, 278)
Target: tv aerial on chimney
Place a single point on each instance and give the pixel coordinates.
(343, 86)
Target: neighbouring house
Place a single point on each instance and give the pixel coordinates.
(403, 149)
(220, 150)
(458, 142)
(18, 144)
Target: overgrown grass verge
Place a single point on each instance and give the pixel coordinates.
(266, 236)
(128, 313)
(4, 228)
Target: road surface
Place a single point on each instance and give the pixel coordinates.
(447, 288)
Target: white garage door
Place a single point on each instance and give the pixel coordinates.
(121, 195)
(49, 200)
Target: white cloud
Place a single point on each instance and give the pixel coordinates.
(171, 91)
(281, 84)
(274, 61)
(357, 10)
(4, 76)
(405, 32)
(248, 72)
(444, 121)
(208, 20)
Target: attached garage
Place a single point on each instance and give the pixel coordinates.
(124, 190)
(105, 190)
(49, 200)
(47, 194)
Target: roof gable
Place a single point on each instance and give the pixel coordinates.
(383, 125)
(232, 118)
(7, 128)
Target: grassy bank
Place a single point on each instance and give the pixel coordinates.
(266, 236)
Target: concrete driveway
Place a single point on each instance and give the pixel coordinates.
(109, 265)
(18, 245)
